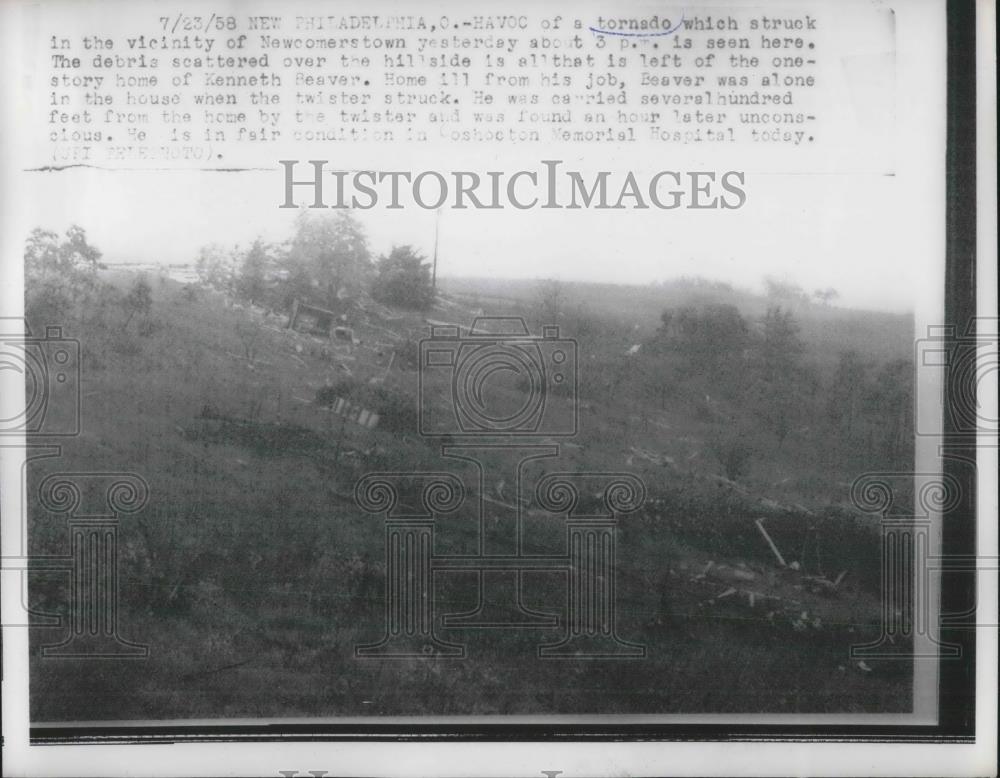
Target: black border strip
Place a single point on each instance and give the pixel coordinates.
(957, 681)
(293, 733)
(957, 676)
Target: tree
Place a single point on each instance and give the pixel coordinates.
(251, 282)
(712, 338)
(889, 407)
(778, 389)
(784, 292)
(847, 392)
(551, 299)
(249, 335)
(58, 274)
(826, 296)
(403, 278)
(328, 257)
(780, 350)
(216, 267)
(72, 256)
(659, 379)
(733, 448)
(139, 300)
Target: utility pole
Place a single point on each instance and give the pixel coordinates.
(434, 271)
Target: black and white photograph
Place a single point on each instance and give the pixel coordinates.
(385, 379)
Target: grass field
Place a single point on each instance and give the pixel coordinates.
(252, 575)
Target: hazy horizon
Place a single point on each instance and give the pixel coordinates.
(835, 236)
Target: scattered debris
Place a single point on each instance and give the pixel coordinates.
(770, 543)
(251, 362)
(818, 584)
(458, 328)
(354, 412)
(202, 673)
(345, 334)
(313, 319)
(491, 501)
(727, 574)
(657, 459)
(388, 367)
(723, 481)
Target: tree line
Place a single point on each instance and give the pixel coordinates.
(326, 262)
(762, 372)
(61, 279)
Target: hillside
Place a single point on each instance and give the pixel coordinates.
(253, 575)
(828, 329)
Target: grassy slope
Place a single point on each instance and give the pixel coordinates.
(252, 578)
(827, 329)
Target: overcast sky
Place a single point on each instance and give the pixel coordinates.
(839, 231)
(859, 210)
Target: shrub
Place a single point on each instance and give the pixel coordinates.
(403, 279)
(408, 355)
(735, 452)
(138, 301)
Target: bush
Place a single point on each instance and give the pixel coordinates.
(408, 355)
(403, 279)
(734, 452)
(147, 327)
(189, 293)
(138, 301)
